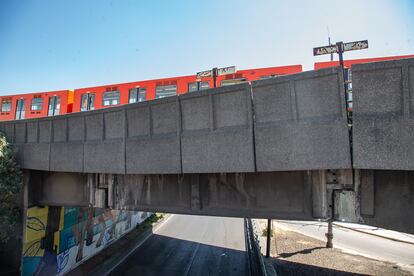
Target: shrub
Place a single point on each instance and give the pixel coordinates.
(10, 186)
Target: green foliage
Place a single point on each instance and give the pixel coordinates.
(264, 233)
(10, 185)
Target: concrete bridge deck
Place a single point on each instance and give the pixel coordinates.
(277, 148)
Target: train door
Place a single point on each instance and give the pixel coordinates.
(54, 106)
(88, 102)
(20, 109)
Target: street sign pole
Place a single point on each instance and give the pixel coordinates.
(215, 76)
(214, 73)
(340, 48)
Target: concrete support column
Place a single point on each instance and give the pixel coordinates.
(319, 194)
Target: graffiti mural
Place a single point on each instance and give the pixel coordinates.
(57, 239)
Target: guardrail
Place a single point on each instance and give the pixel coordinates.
(254, 254)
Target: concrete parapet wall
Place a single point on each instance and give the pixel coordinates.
(217, 130)
(295, 122)
(383, 115)
(300, 122)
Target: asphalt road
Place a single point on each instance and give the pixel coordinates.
(190, 245)
(357, 243)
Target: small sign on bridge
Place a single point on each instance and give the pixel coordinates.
(350, 46)
(220, 71)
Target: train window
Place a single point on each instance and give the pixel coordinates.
(87, 102)
(36, 104)
(20, 109)
(133, 95)
(6, 105)
(197, 86)
(110, 98)
(268, 77)
(54, 106)
(165, 91)
(137, 94)
(232, 81)
(142, 95)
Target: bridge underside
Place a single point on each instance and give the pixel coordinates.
(381, 198)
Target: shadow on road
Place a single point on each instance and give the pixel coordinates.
(162, 255)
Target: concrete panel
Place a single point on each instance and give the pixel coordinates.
(152, 191)
(35, 156)
(76, 128)
(383, 124)
(153, 155)
(64, 189)
(66, 157)
(32, 132)
(9, 131)
(153, 144)
(44, 130)
(164, 117)
(138, 120)
(217, 130)
(114, 124)
(393, 200)
(94, 126)
(269, 195)
(300, 122)
(104, 157)
(20, 133)
(59, 130)
(281, 195)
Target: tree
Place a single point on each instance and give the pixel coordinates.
(10, 186)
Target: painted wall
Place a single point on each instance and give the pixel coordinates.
(57, 239)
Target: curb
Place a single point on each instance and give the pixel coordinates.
(372, 234)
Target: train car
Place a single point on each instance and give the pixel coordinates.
(97, 97)
(35, 105)
(350, 62)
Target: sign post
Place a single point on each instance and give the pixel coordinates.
(340, 48)
(215, 72)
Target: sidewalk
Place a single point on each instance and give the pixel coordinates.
(293, 253)
(368, 241)
(379, 232)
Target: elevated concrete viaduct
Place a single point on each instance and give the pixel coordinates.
(276, 148)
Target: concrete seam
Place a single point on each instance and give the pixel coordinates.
(253, 122)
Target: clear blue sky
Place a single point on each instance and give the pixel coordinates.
(49, 45)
